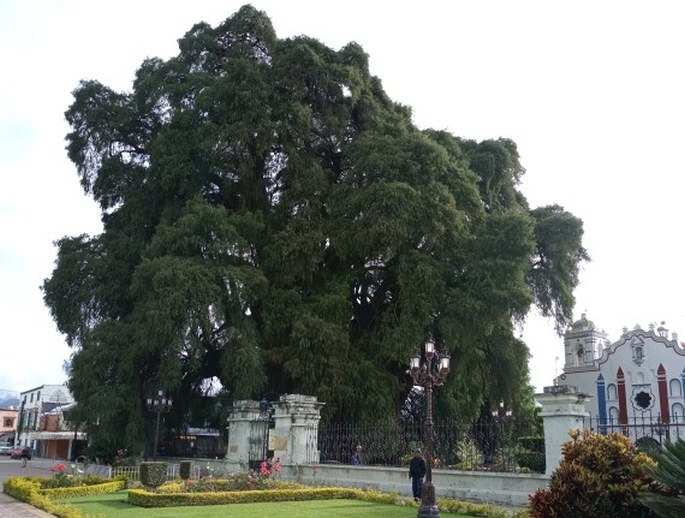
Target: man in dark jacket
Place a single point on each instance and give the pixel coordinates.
(417, 470)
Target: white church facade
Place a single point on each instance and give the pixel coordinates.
(636, 384)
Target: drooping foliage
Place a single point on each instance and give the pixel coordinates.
(670, 472)
(274, 221)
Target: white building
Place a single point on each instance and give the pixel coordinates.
(41, 422)
(636, 383)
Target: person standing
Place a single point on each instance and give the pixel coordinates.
(25, 456)
(356, 458)
(417, 470)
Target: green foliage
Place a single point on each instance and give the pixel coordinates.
(532, 456)
(469, 457)
(89, 487)
(186, 469)
(670, 472)
(599, 475)
(148, 499)
(273, 220)
(534, 443)
(532, 461)
(28, 490)
(153, 474)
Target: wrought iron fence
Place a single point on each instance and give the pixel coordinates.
(646, 430)
(491, 445)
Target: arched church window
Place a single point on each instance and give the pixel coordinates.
(611, 391)
(613, 416)
(640, 378)
(678, 412)
(676, 387)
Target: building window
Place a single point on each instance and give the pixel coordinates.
(8, 422)
(678, 413)
(611, 391)
(31, 398)
(676, 388)
(38, 396)
(613, 415)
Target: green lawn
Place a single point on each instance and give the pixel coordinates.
(114, 506)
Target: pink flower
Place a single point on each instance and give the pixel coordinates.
(277, 468)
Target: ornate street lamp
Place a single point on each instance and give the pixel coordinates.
(160, 404)
(431, 373)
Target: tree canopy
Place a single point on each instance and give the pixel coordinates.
(273, 220)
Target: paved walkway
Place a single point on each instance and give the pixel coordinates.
(11, 508)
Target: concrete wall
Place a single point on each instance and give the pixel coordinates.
(510, 489)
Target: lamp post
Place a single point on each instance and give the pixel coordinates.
(431, 373)
(159, 404)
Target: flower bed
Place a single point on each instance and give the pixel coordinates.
(164, 498)
(28, 489)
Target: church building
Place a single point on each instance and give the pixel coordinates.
(636, 383)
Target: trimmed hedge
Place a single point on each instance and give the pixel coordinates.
(153, 474)
(76, 491)
(144, 498)
(186, 469)
(28, 490)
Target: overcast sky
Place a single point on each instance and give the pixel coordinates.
(592, 92)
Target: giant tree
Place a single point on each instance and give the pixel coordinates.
(273, 220)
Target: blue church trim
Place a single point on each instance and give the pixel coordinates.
(602, 404)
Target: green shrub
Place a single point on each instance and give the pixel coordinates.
(153, 474)
(533, 443)
(670, 472)
(469, 456)
(84, 490)
(599, 476)
(161, 498)
(532, 460)
(186, 469)
(28, 490)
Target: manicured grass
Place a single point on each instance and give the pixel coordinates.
(115, 505)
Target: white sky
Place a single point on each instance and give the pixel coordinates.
(592, 92)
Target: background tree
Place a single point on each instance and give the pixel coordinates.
(273, 220)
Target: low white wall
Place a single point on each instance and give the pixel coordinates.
(510, 489)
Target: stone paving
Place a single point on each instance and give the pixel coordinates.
(11, 508)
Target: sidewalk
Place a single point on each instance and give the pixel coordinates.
(11, 508)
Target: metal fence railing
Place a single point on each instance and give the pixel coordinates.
(492, 445)
(646, 430)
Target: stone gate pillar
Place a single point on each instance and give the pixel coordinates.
(294, 438)
(244, 414)
(562, 410)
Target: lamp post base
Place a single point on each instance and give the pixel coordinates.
(429, 508)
